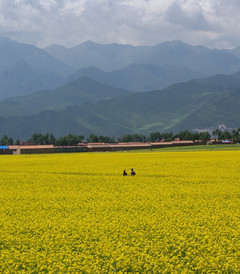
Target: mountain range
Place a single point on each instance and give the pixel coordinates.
(25, 68)
(116, 89)
(112, 57)
(138, 77)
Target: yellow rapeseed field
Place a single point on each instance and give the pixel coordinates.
(76, 213)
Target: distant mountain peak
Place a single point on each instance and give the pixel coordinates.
(172, 43)
(54, 46)
(86, 44)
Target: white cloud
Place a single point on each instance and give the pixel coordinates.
(214, 23)
(187, 15)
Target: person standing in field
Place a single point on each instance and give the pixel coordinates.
(133, 172)
(124, 173)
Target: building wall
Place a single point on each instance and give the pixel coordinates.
(70, 149)
(36, 150)
(5, 151)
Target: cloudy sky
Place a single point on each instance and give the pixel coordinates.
(213, 23)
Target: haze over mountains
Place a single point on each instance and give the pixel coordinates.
(26, 68)
(139, 77)
(176, 53)
(116, 89)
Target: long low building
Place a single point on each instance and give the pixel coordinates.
(117, 146)
(93, 147)
(32, 149)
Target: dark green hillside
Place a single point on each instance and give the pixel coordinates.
(179, 107)
(221, 81)
(198, 103)
(159, 110)
(74, 93)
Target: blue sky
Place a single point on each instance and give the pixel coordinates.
(212, 23)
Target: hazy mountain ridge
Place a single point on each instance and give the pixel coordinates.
(26, 68)
(107, 57)
(138, 77)
(111, 57)
(138, 68)
(22, 78)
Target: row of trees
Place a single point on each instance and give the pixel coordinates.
(153, 137)
(183, 135)
(223, 135)
(50, 139)
(46, 139)
(157, 136)
(70, 139)
(8, 141)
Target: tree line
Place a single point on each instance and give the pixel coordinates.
(70, 139)
(223, 135)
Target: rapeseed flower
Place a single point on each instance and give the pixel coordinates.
(69, 213)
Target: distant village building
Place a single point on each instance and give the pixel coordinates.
(26, 143)
(210, 130)
(4, 150)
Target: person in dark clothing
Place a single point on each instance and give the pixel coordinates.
(124, 173)
(133, 172)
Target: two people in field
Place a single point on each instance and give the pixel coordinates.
(132, 172)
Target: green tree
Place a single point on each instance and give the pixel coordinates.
(10, 141)
(168, 136)
(4, 140)
(93, 138)
(52, 139)
(17, 142)
(155, 136)
(204, 136)
(126, 138)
